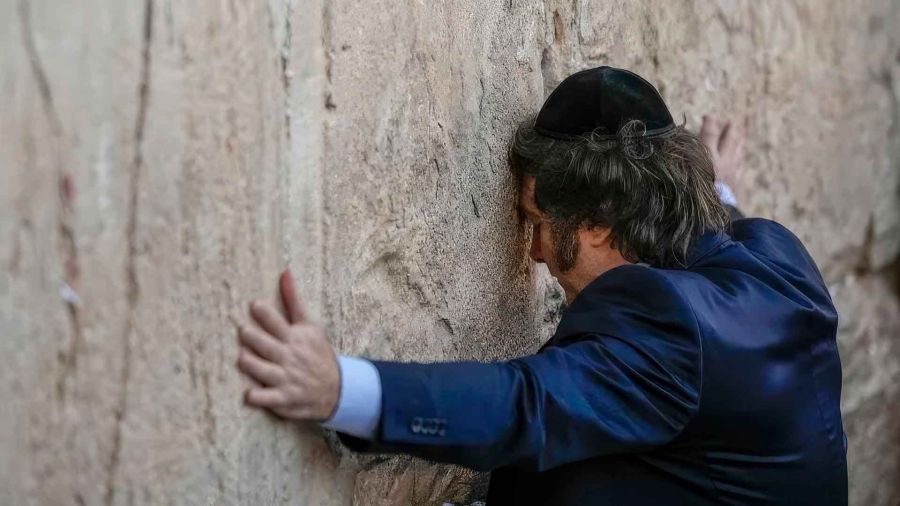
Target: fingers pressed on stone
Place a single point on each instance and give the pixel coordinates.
(737, 152)
(265, 397)
(261, 370)
(290, 298)
(263, 344)
(728, 137)
(269, 319)
(710, 132)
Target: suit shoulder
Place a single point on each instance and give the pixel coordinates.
(764, 233)
(637, 284)
(776, 244)
(628, 297)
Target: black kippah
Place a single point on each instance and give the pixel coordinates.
(603, 99)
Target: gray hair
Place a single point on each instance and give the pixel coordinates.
(655, 195)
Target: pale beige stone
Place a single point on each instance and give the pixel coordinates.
(202, 147)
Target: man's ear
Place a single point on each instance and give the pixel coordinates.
(526, 187)
(526, 204)
(598, 237)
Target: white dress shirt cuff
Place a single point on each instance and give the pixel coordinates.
(726, 195)
(359, 405)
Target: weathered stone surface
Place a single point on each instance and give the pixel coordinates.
(870, 347)
(161, 161)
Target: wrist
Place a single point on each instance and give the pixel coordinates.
(333, 400)
(358, 407)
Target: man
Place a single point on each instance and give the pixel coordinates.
(695, 362)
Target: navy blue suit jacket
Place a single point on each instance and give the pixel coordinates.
(716, 383)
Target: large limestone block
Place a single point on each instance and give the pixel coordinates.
(870, 348)
(160, 162)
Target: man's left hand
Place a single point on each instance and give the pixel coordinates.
(289, 358)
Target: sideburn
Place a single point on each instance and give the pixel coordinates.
(565, 244)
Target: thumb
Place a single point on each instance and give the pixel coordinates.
(290, 299)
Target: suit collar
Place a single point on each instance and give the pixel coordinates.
(705, 245)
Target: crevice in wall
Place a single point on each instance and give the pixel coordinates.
(14, 265)
(67, 246)
(562, 49)
(651, 39)
(326, 40)
(210, 435)
(546, 66)
(37, 68)
(576, 27)
(328, 309)
(286, 73)
(868, 262)
(864, 264)
(481, 98)
(373, 462)
(71, 273)
(768, 154)
(326, 51)
(132, 290)
(892, 270)
(208, 416)
(559, 29)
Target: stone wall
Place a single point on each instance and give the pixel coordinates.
(161, 161)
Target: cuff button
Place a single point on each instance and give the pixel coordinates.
(416, 425)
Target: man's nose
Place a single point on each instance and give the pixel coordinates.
(535, 252)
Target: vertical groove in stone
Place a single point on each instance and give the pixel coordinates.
(132, 288)
(385, 125)
(68, 250)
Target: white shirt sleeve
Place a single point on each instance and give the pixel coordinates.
(359, 404)
(726, 195)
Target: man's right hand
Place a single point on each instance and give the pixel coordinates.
(289, 358)
(725, 141)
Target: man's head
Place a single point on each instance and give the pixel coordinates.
(600, 195)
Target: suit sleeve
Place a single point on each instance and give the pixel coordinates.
(592, 395)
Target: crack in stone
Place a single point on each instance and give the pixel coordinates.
(284, 156)
(545, 49)
(576, 26)
(210, 430)
(326, 51)
(864, 264)
(559, 29)
(328, 306)
(67, 243)
(867, 263)
(286, 72)
(326, 40)
(132, 288)
(37, 68)
(765, 119)
(71, 270)
(69, 260)
(481, 98)
(373, 462)
(651, 42)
